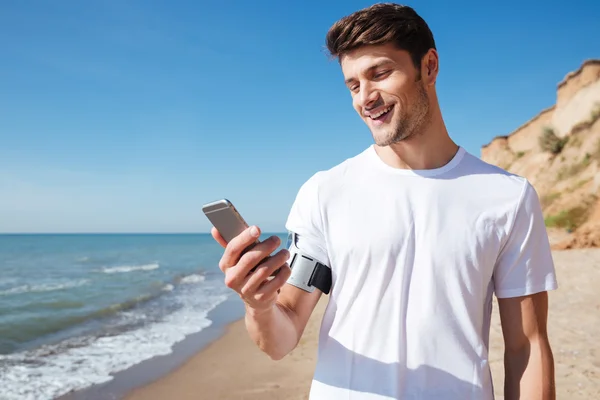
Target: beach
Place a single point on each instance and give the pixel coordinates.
(232, 367)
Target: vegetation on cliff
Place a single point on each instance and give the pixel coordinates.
(558, 151)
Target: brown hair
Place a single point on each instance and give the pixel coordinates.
(381, 24)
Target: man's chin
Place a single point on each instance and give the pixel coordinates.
(382, 139)
(383, 135)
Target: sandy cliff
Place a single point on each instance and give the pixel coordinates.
(559, 152)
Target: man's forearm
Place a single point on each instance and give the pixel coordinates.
(273, 331)
(529, 372)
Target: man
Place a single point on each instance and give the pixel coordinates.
(419, 235)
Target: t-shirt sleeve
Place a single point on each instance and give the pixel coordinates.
(525, 265)
(305, 220)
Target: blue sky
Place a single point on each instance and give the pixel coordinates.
(126, 116)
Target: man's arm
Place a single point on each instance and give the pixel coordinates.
(276, 312)
(528, 359)
(277, 330)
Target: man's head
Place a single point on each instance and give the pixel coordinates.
(390, 63)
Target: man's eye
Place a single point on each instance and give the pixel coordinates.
(354, 87)
(381, 74)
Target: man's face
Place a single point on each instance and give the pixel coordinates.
(387, 92)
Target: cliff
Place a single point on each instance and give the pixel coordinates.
(558, 150)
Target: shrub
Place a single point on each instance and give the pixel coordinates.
(550, 142)
(569, 219)
(573, 218)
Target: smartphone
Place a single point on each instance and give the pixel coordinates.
(228, 221)
(226, 218)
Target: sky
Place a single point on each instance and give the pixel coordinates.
(127, 116)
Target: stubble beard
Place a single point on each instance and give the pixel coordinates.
(411, 123)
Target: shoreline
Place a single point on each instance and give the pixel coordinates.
(232, 367)
(148, 371)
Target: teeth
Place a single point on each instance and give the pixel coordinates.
(379, 114)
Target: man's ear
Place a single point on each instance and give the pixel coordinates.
(430, 67)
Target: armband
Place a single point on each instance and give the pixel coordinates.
(308, 273)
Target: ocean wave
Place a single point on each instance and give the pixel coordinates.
(193, 278)
(47, 324)
(130, 268)
(53, 370)
(44, 287)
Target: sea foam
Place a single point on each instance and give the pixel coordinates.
(53, 370)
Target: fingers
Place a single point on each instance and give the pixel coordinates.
(236, 276)
(272, 287)
(264, 271)
(249, 268)
(217, 236)
(234, 249)
(257, 255)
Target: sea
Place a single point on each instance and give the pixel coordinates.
(77, 308)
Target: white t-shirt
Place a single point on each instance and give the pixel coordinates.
(416, 257)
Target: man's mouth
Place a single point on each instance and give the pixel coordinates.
(381, 114)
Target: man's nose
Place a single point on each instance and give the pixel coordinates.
(367, 96)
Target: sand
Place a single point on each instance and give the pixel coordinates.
(233, 368)
(573, 327)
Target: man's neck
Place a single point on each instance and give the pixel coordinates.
(430, 148)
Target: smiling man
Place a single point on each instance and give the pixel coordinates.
(418, 235)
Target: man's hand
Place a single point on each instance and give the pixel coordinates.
(258, 291)
(274, 321)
